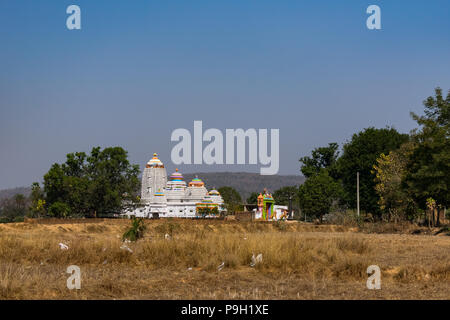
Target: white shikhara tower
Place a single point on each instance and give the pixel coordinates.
(154, 179)
(175, 198)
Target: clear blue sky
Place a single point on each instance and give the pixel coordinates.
(139, 69)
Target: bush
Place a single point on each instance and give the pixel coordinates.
(59, 210)
(136, 231)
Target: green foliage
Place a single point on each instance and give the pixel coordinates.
(360, 154)
(136, 230)
(282, 195)
(253, 199)
(59, 210)
(231, 198)
(390, 171)
(321, 158)
(205, 211)
(37, 199)
(318, 194)
(429, 165)
(95, 185)
(15, 207)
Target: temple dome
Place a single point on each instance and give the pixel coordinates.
(155, 162)
(196, 182)
(176, 181)
(214, 192)
(177, 176)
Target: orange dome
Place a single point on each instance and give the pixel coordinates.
(196, 182)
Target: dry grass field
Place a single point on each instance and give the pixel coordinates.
(300, 261)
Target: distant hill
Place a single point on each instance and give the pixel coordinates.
(9, 193)
(244, 182)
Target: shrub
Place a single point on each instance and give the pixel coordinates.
(59, 210)
(136, 231)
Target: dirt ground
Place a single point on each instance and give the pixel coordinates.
(181, 259)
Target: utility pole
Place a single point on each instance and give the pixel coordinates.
(357, 192)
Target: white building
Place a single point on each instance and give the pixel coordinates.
(161, 198)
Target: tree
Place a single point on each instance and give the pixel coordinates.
(429, 165)
(390, 171)
(98, 184)
(282, 195)
(231, 198)
(321, 158)
(14, 208)
(360, 154)
(59, 210)
(37, 199)
(318, 193)
(253, 199)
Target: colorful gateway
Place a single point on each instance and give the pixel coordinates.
(267, 210)
(161, 198)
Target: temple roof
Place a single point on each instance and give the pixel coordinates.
(176, 176)
(196, 182)
(154, 161)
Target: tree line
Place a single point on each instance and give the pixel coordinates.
(402, 177)
(100, 184)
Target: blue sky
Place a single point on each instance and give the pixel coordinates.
(140, 69)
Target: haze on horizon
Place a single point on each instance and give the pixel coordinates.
(138, 70)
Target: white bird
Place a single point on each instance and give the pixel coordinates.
(259, 258)
(189, 269)
(256, 260)
(63, 246)
(125, 247)
(222, 265)
(167, 236)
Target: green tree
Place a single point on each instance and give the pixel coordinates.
(231, 198)
(282, 195)
(95, 185)
(429, 165)
(14, 208)
(253, 199)
(321, 158)
(360, 154)
(390, 171)
(318, 194)
(59, 210)
(37, 201)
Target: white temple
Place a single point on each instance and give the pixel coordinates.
(161, 198)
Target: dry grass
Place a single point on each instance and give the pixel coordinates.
(300, 261)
